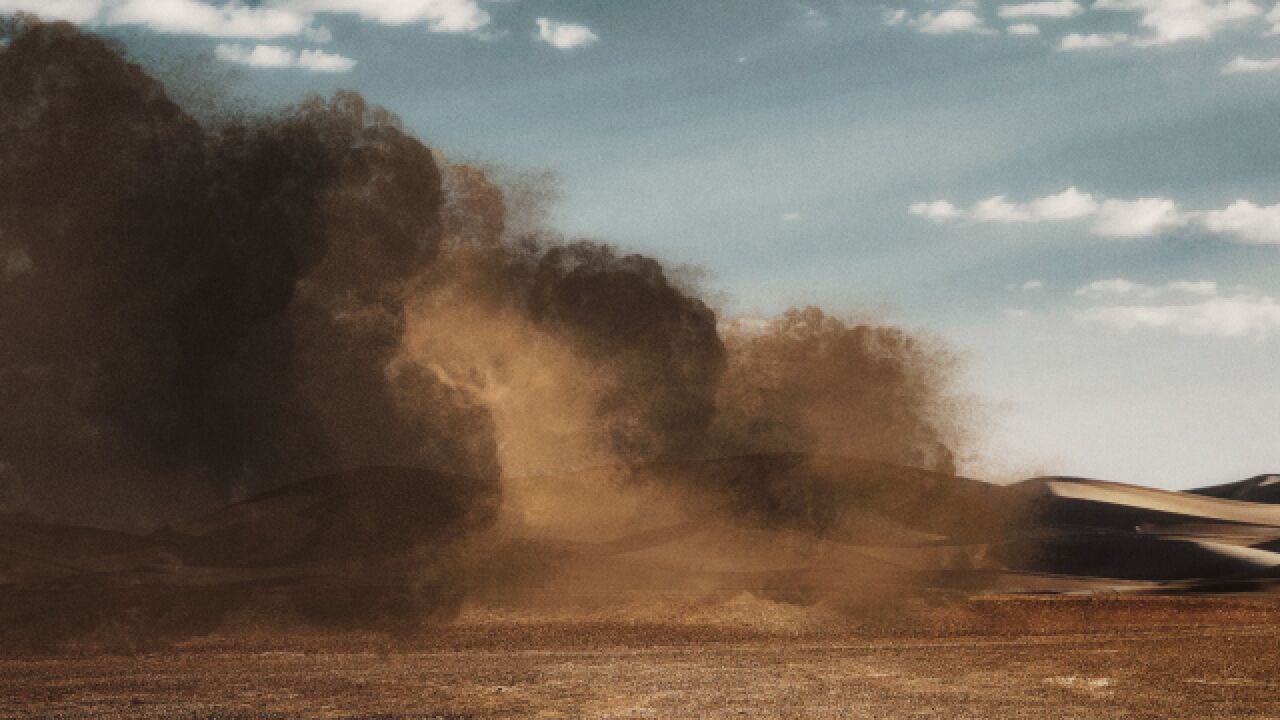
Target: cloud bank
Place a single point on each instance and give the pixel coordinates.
(1156, 22)
(270, 20)
(1242, 221)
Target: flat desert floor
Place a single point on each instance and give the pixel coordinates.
(995, 657)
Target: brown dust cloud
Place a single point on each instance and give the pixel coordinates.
(203, 313)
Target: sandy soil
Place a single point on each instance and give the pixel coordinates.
(990, 658)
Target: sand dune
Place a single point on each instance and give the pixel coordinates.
(1259, 489)
(1159, 504)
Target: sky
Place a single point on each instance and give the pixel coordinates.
(1081, 198)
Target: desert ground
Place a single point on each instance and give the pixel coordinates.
(986, 657)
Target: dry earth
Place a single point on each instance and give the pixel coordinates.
(996, 657)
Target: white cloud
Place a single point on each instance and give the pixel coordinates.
(1023, 29)
(938, 211)
(441, 16)
(321, 61)
(1092, 41)
(1066, 205)
(264, 56)
(949, 21)
(1273, 17)
(1032, 285)
(1247, 223)
(1243, 314)
(190, 17)
(76, 11)
(1171, 21)
(1242, 221)
(999, 209)
(961, 17)
(565, 36)
(1243, 64)
(1069, 204)
(1043, 9)
(274, 56)
(1144, 217)
(268, 20)
(790, 217)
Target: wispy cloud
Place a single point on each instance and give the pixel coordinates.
(1186, 308)
(1242, 64)
(938, 211)
(565, 36)
(1023, 29)
(274, 56)
(1123, 288)
(1042, 9)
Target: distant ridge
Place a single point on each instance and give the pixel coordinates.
(1258, 489)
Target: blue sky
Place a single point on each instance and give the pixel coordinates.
(1081, 197)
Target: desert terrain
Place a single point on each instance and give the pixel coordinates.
(1010, 657)
(300, 417)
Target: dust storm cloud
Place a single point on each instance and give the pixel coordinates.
(196, 311)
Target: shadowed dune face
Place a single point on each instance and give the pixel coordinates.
(1258, 489)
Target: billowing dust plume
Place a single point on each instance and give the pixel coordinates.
(199, 311)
